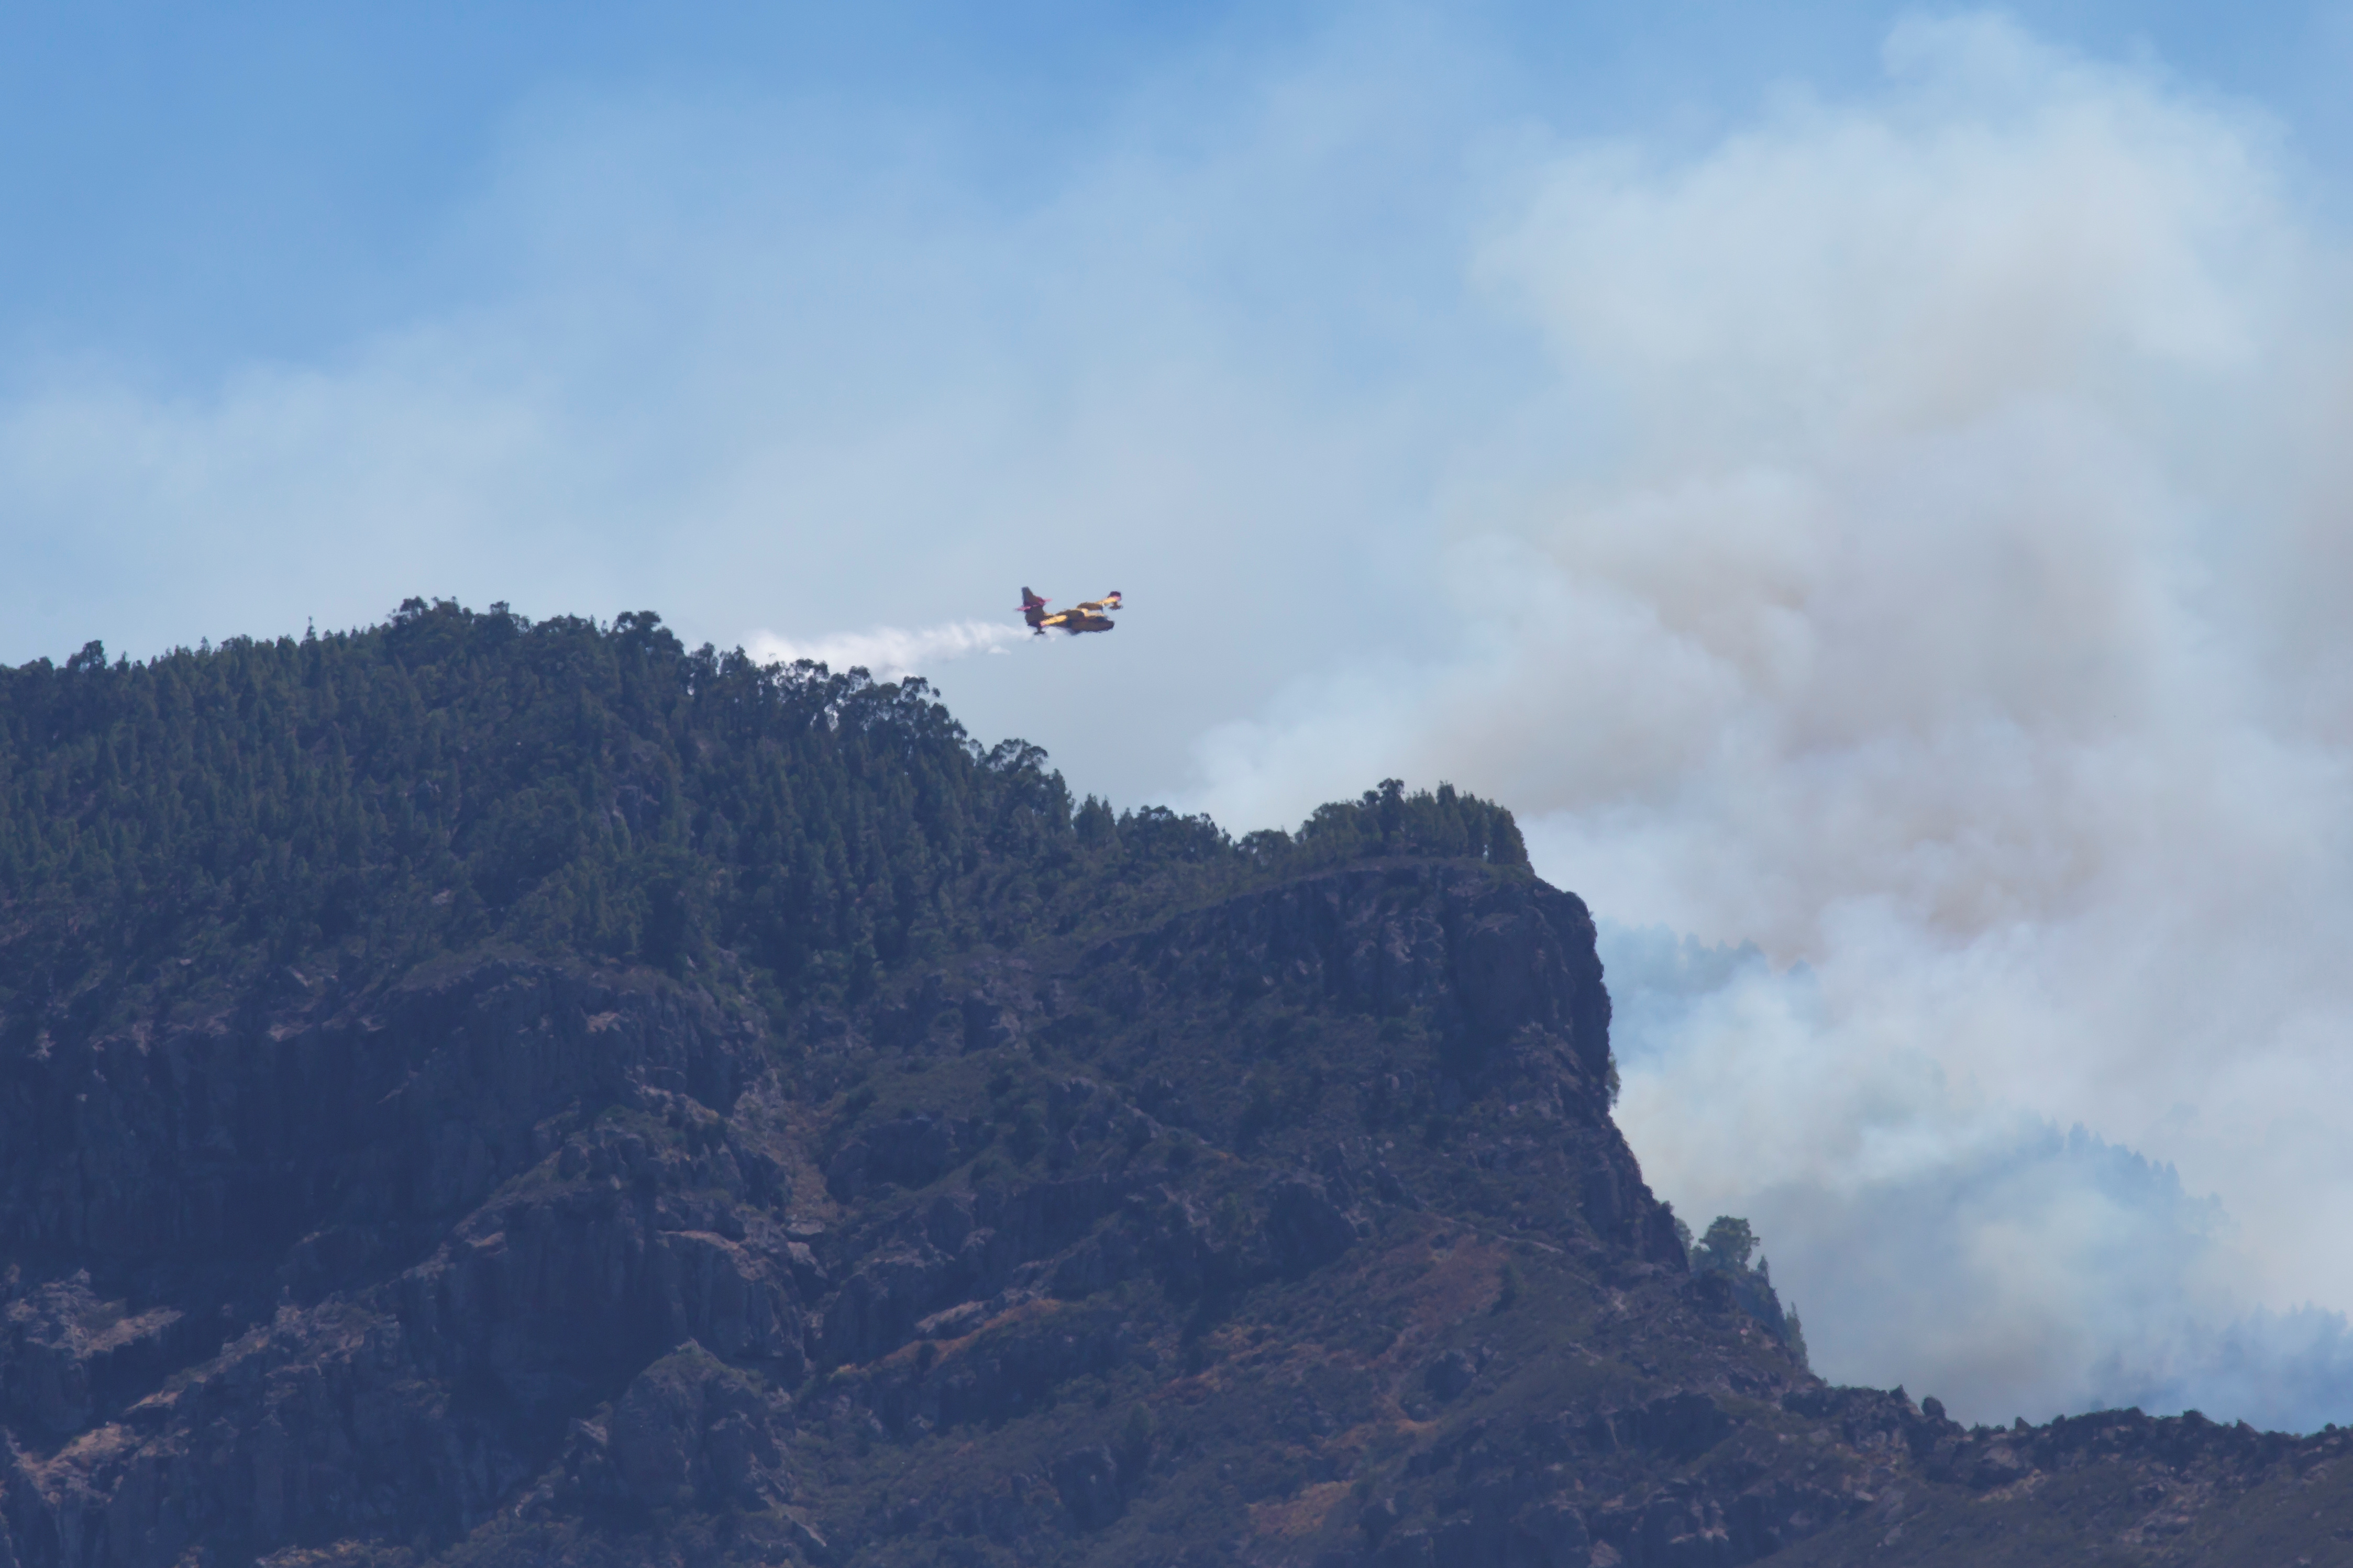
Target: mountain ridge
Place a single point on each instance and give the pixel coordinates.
(824, 1141)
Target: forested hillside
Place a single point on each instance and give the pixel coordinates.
(453, 782)
(476, 1092)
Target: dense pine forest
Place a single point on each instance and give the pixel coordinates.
(456, 780)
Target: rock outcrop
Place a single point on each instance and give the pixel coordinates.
(1288, 1227)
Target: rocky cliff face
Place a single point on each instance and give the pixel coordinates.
(1288, 1229)
(345, 1266)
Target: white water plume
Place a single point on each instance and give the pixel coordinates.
(889, 653)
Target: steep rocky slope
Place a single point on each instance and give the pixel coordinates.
(1216, 1204)
(1292, 1228)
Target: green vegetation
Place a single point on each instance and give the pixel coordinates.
(454, 781)
(1725, 1248)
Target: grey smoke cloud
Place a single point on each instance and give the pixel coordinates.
(1928, 566)
(1967, 1248)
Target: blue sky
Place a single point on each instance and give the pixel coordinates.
(1861, 482)
(188, 189)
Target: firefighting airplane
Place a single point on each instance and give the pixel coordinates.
(1090, 617)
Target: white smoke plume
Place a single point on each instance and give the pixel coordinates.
(1950, 1241)
(1928, 565)
(889, 653)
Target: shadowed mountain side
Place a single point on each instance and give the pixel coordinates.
(1098, 1190)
